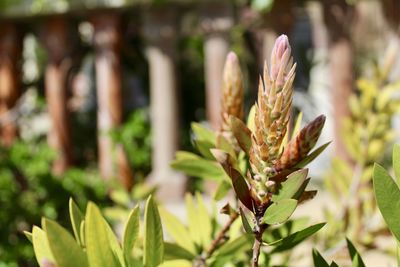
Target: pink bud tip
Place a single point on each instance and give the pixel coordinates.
(281, 45)
(232, 56)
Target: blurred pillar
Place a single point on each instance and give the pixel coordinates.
(216, 21)
(107, 43)
(57, 37)
(338, 17)
(160, 30)
(11, 42)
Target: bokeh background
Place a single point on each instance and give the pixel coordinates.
(96, 96)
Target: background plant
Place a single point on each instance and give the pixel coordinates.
(29, 191)
(367, 133)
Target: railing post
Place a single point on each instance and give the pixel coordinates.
(216, 21)
(160, 30)
(107, 43)
(58, 39)
(10, 79)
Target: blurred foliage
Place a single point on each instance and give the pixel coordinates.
(29, 191)
(95, 244)
(135, 137)
(367, 133)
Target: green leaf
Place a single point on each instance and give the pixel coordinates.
(387, 196)
(76, 217)
(177, 230)
(247, 224)
(199, 167)
(234, 247)
(28, 236)
(153, 235)
(396, 162)
(176, 252)
(295, 238)
(319, 261)
(239, 183)
(279, 211)
(291, 186)
(203, 221)
(131, 232)
(241, 133)
(297, 125)
(192, 215)
(354, 255)
(202, 133)
(204, 148)
(176, 263)
(222, 190)
(65, 249)
(97, 241)
(312, 156)
(225, 145)
(41, 246)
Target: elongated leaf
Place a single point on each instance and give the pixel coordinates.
(177, 263)
(232, 248)
(199, 167)
(153, 236)
(239, 183)
(192, 215)
(319, 261)
(97, 241)
(279, 211)
(131, 232)
(354, 255)
(63, 246)
(312, 156)
(76, 217)
(241, 133)
(203, 221)
(176, 252)
(387, 196)
(291, 186)
(225, 145)
(203, 133)
(222, 190)
(204, 148)
(247, 224)
(396, 162)
(41, 246)
(177, 230)
(296, 238)
(28, 236)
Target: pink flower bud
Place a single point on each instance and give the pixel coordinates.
(47, 263)
(280, 59)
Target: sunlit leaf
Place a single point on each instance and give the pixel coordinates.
(295, 238)
(131, 232)
(177, 230)
(41, 246)
(387, 196)
(76, 217)
(175, 252)
(291, 186)
(279, 211)
(63, 246)
(153, 235)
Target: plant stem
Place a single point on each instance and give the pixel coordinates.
(258, 233)
(221, 235)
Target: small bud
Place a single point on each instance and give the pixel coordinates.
(279, 57)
